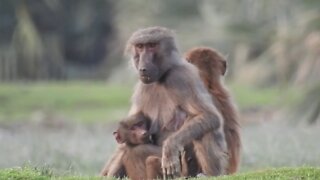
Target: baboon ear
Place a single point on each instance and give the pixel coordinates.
(224, 67)
(118, 138)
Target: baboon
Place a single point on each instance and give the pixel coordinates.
(141, 159)
(212, 66)
(171, 93)
(133, 131)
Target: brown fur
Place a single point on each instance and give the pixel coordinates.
(136, 161)
(171, 93)
(134, 130)
(143, 161)
(140, 158)
(211, 67)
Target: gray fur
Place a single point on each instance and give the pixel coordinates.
(178, 90)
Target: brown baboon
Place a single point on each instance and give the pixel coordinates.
(133, 131)
(171, 93)
(211, 67)
(141, 159)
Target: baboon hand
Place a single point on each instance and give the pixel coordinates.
(171, 166)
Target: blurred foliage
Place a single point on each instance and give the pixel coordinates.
(309, 108)
(273, 53)
(269, 43)
(55, 39)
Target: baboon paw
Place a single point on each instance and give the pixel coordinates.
(171, 166)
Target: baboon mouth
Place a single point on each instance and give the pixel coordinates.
(145, 78)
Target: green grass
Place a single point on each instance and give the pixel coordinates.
(81, 101)
(23, 173)
(281, 173)
(35, 174)
(98, 101)
(305, 173)
(251, 97)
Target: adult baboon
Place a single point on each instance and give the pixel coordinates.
(171, 93)
(212, 66)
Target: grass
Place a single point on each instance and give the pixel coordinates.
(83, 149)
(22, 173)
(280, 173)
(97, 101)
(81, 101)
(305, 173)
(249, 97)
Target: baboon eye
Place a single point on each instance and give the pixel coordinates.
(139, 124)
(152, 45)
(139, 46)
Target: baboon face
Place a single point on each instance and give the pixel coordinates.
(133, 131)
(151, 50)
(147, 61)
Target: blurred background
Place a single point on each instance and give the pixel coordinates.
(64, 82)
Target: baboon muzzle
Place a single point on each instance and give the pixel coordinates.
(147, 70)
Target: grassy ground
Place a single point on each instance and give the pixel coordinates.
(97, 101)
(41, 125)
(79, 101)
(306, 173)
(279, 174)
(83, 149)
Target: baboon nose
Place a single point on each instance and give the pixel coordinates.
(142, 70)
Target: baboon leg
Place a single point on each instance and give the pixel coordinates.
(153, 167)
(211, 155)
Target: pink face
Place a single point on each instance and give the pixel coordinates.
(137, 134)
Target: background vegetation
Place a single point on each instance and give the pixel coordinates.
(64, 82)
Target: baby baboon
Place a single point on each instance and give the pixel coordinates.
(141, 159)
(212, 66)
(133, 131)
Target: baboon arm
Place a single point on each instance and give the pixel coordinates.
(173, 146)
(203, 118)
(195, 100)
(194, 128)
